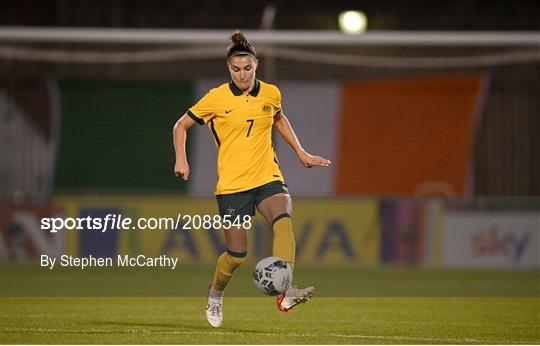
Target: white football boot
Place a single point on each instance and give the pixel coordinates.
(294, 296)
(214, 313)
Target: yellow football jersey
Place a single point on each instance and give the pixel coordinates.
(241, 125)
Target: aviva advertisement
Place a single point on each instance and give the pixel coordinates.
(335, 232)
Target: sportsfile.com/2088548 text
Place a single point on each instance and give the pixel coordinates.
(115, 222)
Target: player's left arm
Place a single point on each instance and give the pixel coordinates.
(286, 131)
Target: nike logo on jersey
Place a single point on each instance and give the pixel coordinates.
(228, 111)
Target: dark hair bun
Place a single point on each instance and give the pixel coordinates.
(238, 38)
(240, 45)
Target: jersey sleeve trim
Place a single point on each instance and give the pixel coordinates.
(194, 117)
(213, 129)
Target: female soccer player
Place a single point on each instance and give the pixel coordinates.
(240, 116)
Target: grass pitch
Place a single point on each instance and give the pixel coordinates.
(257, 321)
(353, 306)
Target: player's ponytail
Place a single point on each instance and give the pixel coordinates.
(240, 46)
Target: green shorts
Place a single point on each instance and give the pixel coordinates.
(244, 203)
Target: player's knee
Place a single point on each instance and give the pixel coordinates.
(236, 259)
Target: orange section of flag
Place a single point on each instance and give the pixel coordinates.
(407, 136)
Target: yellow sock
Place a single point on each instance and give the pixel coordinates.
(226, 265)
(284, 245)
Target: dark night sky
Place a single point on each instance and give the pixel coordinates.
(297, 14)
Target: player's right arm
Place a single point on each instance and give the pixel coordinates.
(199, 113)
(181, 167)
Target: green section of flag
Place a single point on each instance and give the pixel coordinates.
(117, 135)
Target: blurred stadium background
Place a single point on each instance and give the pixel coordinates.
(431, 119)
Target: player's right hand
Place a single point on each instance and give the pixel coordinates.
(181, 169)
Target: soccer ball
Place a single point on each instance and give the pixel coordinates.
(272, 275)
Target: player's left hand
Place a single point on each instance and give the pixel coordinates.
(308, 160)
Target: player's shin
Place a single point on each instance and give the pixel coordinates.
(226, 265)
(284, 245)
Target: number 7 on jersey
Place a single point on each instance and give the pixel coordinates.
(251, 121)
